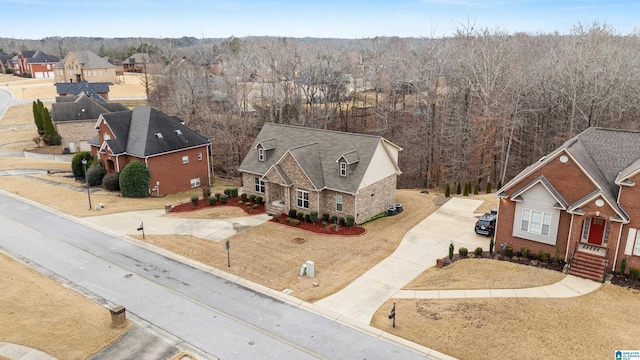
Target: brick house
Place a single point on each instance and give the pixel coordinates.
(578, 203)
(84, 65)
(331, 172)
(177, 157)
(37, 63)
(74, 118)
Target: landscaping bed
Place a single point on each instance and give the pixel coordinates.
(249, 207)
(319, 228)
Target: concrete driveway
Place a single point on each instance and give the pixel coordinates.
(418, 251)
(155, 224)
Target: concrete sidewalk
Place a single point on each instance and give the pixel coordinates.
(418, 251)
(18, 352)
(570, 286)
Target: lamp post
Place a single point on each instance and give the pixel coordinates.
(86, 179)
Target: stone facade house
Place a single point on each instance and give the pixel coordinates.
(141, 63)
(84, 65)
(330, 172)
(74, 118)
(36, 63)
(177, 157)
(579, 203)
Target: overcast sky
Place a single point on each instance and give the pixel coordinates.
(36, 19)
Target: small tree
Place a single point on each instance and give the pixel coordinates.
(623, 265)
(76, 163)
(134, 180)
(492, 243)
(350, 220)
(37, 117)
(499, 184)
(466, 190)
(50, 136)
(459, 189)
(447, 190)
(476, 189)
(451, 249)
(488, 189)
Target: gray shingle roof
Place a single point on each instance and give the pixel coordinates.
(316, 151)
(40, 57)
(135, 132)
(92, 90)
(603, 153)
(90, 60)
(81, 107)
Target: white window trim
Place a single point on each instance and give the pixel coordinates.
(260, 154)
(302, 197)
(540, 224)
(199, 156)
(259, 185)
(195, 182)
(185, 159)
(339, 203)
(343, 169)
(636, 248)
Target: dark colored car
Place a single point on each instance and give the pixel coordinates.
(486, 225)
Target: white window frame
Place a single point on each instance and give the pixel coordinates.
(302, 198)
(195, 182)
(343, 169)
(636, 248)
(260, 154)
(185, 159)
(536, 222)
(106, 136)
(339, 202)
(199, 156)
(259, 185)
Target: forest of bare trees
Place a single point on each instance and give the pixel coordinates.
(476, 107)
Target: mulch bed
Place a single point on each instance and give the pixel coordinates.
(202, 204)
(319, 229)
(624, 281)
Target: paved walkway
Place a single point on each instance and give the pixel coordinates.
(19, 352)
(570, 286)
(418, 251)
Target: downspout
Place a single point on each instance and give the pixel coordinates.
(615, 256)
(566, 255)
(209, 171)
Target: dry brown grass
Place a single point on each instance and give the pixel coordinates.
(483, 274)
(265, 254)
(211, 213)
(586, 327)
(37, 312)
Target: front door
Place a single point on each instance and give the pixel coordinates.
(596, 231)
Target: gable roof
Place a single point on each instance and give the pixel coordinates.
(135, 132)
(602, 154)
(316, 152)
(92, 90)
(90, 60)
(39, 57)
(81, 107)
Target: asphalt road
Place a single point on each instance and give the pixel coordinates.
(217, 316)
(6, 100)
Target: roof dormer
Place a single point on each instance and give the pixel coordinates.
(347, 161)
(263, 148)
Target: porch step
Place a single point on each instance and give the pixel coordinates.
(588, 266)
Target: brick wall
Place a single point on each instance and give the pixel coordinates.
(629, 196)
(328, 204)
(173, 175)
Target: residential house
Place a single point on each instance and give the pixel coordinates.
(98, 91)
(36, 64)
(5, 63)
(330, 172)
(177, 157)
(140, 63)
(578, 203)
(84, 65)
(74, 118)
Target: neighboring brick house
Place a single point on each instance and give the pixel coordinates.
(98, 91)
(84, 65)
(579, 203)
(331, 172)
(75, 119)
(36, 63)
(177, 157)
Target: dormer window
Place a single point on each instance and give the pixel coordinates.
(260, 154)
(106, 136)
(343, 168)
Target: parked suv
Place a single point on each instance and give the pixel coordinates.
(486, 225)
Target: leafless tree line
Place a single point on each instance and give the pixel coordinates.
(479, 106)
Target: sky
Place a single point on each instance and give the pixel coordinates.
(347, 19)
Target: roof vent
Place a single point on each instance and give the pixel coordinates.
(178, 132)
(159, 135)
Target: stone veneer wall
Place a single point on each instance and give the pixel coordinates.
(76, 131)
(375, 198)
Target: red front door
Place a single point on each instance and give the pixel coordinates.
(596, 231)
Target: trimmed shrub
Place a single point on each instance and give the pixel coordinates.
(249, 209)
(325, 217)
(288, 220)
(96, 173)
(206, 191)
(292, 213)
(227, 192)
(212, 201)
(451, 248)
(623, 265)
(194, 200)
(492, 243)
(300, 215)
(255, 206)
(525, 252)
(463, 251)
(252, 197)
(217, 195)
(488, 189)
(258, 200)
(324, 223)
(233, 192)
(350, 220)
(478, 251)
(634, 273)
(223, 198)
(508, 251)
(466, 189)
(342, 221)
(313, 216)
(307, 218)
(447, 190)
(240, 202)
(544, 256)
(476, 189)
(134, 180)
(111, 182)
(243, 196)
(334, 219)
(76, 163)
(295, 222)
